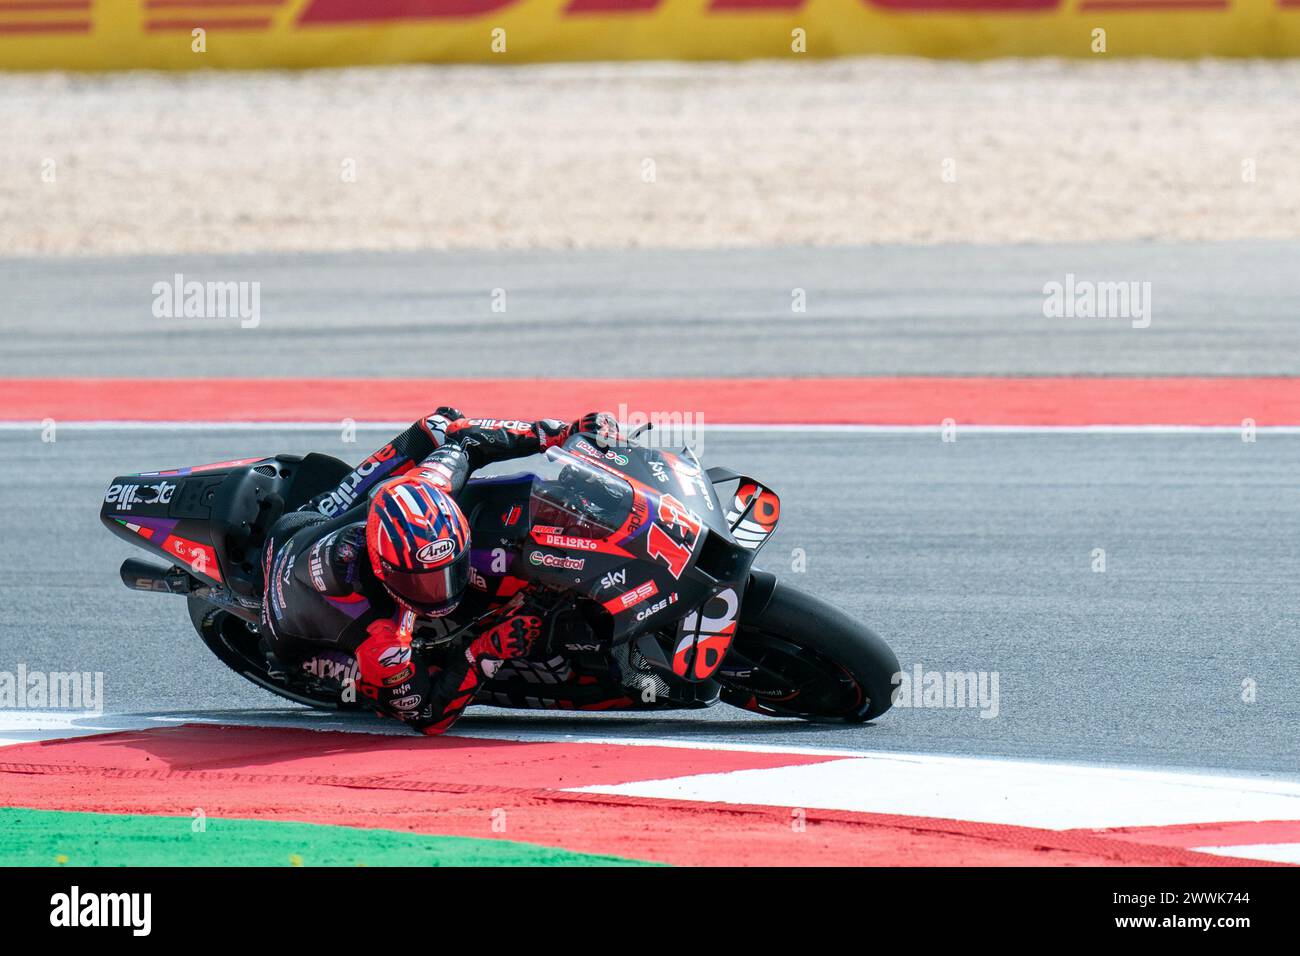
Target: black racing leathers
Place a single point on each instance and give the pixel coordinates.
(326, 613)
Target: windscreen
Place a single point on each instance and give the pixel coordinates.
(576, 498)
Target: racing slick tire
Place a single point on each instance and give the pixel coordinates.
(794, 655)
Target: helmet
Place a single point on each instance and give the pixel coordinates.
(418, 541)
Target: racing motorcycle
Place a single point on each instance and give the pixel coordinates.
(641, 560)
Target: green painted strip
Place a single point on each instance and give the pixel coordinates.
(58, 837)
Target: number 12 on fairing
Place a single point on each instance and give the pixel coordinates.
(674, 550)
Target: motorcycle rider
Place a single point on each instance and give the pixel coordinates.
(349, 573)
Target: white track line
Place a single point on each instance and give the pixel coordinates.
(259, 426)
(27, 726)
(1273, 852)
(1046, 795)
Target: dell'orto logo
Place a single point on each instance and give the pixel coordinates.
(436, 551)
(75, 908)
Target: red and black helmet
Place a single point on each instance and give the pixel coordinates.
(418, 541)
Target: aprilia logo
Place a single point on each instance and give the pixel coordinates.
(127, 497)
(332, 669)
(350, 488)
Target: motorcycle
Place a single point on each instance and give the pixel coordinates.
(641, 560)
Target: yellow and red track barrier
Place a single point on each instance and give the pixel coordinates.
(161, 34)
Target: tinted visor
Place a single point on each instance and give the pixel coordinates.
(434, 592)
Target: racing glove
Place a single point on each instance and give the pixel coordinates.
(388, 676)
(426, 698)
(456, 686)
(512, 638)
(601, 424)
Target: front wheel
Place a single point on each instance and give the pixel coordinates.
(794, 655)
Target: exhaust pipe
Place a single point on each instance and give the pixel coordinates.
(142, 576)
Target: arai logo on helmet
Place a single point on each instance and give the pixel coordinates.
(436, 551)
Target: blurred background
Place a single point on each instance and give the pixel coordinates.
(139, 126)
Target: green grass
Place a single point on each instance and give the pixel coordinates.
(65, 838)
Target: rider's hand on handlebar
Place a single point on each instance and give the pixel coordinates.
(508, 640)
(601, 424)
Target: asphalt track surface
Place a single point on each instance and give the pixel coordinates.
(970, 555)
(1216, 309)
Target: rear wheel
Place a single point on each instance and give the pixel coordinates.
(239, 648)
(794, 655)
